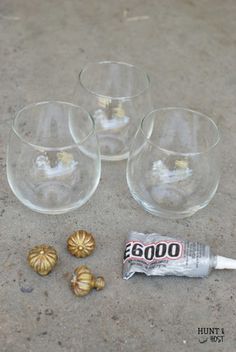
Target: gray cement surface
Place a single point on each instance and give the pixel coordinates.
(188, 48)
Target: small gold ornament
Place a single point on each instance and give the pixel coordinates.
(182, 164)
(104, 102)
(65, 158)
(81, 244)
(119, 111)
(83, 281)
(42, 259)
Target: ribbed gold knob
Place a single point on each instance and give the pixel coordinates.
(81, 244)
(42, 259)
(83, 281)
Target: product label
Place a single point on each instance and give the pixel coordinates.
(153, 254)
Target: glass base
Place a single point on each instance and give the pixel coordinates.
(115, 157)
(168, 214)
(43, 209)
(112, 148)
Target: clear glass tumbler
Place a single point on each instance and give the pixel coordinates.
(173, 168)
(117, 96)
(53, 160)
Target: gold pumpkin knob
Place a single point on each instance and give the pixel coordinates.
(42, 259)
(83, 281)
(81, 244)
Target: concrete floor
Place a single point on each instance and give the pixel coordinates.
(188, 48)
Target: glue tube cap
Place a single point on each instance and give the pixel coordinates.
(225, 263)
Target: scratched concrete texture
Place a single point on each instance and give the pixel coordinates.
(188, 48)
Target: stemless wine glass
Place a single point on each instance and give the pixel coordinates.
(117, 96)
(53, 160)
(173, 168)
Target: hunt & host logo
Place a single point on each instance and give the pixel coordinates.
(210, 334)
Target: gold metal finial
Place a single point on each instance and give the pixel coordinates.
(83, 281)
(42, 259)
(81, 244)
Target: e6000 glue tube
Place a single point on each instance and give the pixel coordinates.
(153, 254)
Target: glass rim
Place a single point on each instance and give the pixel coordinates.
(172, 152)
(126, 97)
(36, 146)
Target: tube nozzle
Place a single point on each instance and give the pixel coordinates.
(225, 263)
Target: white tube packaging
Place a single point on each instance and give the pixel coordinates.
(154, 254)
